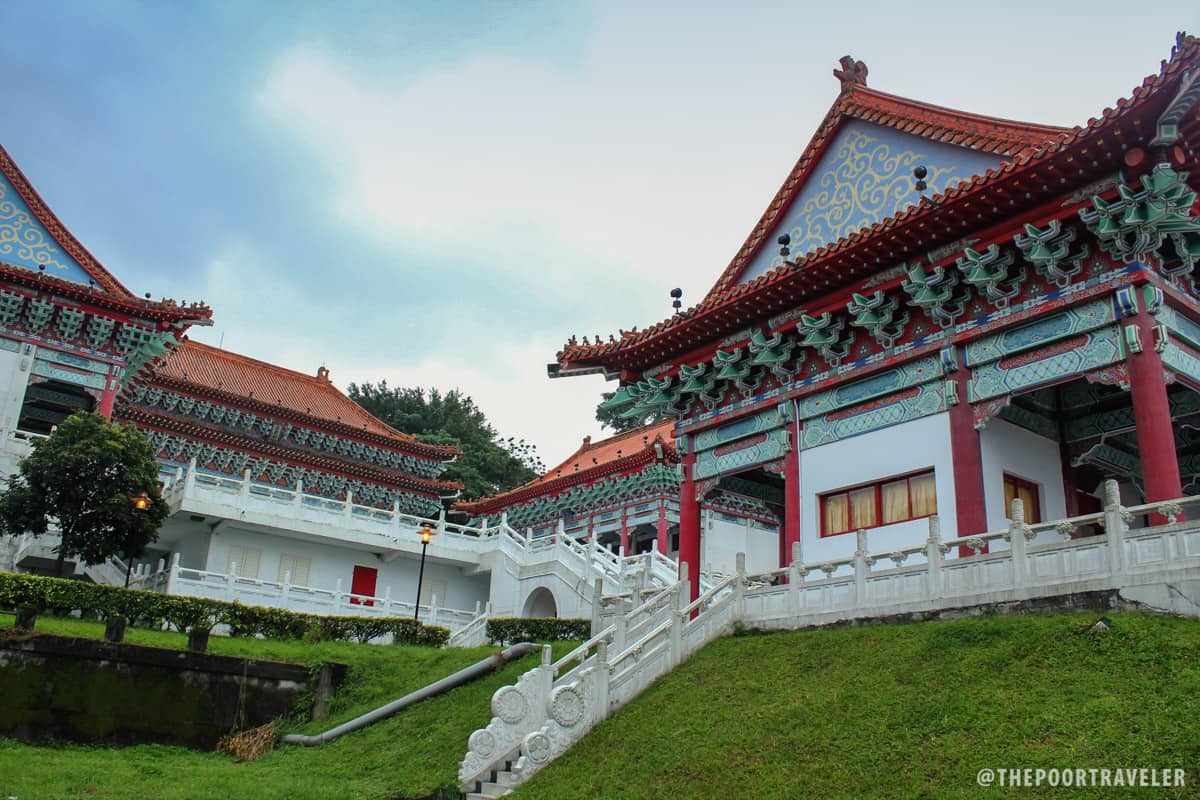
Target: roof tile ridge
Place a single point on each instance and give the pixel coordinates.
(323, 384)
(960, 114)
(557, 484)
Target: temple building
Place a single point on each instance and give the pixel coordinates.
(218, 415)
(624, 493)
(940, 311)
(282, 491)
(71, 335)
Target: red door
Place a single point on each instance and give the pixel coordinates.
(363, 584)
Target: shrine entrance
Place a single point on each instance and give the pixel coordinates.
(742, 512)
(1092, 423)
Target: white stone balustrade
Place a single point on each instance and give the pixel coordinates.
(639, 638)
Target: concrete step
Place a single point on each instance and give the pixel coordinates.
(487, 789)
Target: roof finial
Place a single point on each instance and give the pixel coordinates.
(323, 373)
(853, 73)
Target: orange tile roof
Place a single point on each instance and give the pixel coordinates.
(591, 455)
(590, 462)
(312, 396)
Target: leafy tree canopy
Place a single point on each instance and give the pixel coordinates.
(84, 479)
(488, 464)
(609, 418)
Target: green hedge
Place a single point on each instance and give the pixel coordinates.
(152, 609)
(508, 630)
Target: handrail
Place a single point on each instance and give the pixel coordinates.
(640, 644)
(707, 596)
(655, 599)
(580, 652)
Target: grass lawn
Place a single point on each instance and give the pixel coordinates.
(902, 711)
(411, 754)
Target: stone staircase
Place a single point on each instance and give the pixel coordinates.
(501, 780)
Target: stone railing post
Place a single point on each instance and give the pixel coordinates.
(173, 574)
(298, 497)
(602, 680)
(795, 581)
(229, 577)
(189, 480)
(678, 615)
(387, 601)
(560, 532)
(933, 558)
(739, 588)
(503, 520)
(1114, 528)
(1017, 533)
(244, 489)
(860, 568)
(597, 597)
(621, 627)
(337, 595)
(441, 522)
(545, 684)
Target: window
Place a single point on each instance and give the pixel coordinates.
(243, 561)
(881, 503)
(1027, 492)
(294, 568)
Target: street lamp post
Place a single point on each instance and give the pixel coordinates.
(141, 503)
(427, 532)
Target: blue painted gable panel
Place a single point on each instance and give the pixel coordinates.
(865, 176)
(25, 243)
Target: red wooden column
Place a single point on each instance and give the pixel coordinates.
(689, 525)
(791, 501)
(625, 530)
(664, 540)
(1151, 413)
(970, 513)
(108, 398)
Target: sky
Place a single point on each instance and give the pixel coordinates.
(442, 193)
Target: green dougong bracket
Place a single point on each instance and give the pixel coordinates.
(935, 293)
(1049, 251)
(991, 273)
(1153, 224)
(824, 333)
(877, 314)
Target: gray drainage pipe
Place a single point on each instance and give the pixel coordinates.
(465, 675)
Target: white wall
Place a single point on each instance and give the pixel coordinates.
(1019, 452)
(331, 563)
(908, 447)
(721, 541)
(14, 375)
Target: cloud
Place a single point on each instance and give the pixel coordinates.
(571, 196)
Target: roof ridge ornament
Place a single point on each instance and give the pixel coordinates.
(853, 73)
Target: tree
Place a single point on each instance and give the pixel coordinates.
(488, 464)
(85, 478)
(610, 418)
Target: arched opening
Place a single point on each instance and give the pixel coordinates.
(540, 604)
